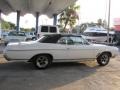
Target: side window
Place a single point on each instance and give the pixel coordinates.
(79, 41)
(44, 29)
(53, 29)
(62, 40)
(70, 41)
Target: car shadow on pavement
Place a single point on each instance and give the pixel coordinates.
(24, 75)
(17, 65)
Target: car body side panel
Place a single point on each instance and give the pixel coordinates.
(28, 51)
(81, 51)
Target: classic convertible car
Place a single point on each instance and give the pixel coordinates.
(59, 48)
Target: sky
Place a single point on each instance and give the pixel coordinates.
(90, 11)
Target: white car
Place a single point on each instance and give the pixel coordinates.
(59, 48)
(14, 36)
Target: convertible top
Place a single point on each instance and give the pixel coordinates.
(53, 38)
(62, 35)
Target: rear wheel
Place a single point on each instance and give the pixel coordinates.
(103, 59)
(42, 61)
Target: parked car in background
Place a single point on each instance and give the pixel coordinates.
(59, 48)
(4, 34)
(14, 36)
(96, 35)
(47, 29)
(30, 35)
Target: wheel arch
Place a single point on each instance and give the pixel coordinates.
(104, 52)
(33, 57)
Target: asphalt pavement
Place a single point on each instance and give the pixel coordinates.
(21, 75)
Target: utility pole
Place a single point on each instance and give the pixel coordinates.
(0, 19)
(108, 22)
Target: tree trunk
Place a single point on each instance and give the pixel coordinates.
(66, 24)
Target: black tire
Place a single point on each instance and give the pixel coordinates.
(103, 59)
(42, 61)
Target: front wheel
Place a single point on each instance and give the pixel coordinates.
(42, 61)
(103, 59)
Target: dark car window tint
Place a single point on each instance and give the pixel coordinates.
(49, 39)
(102, 34)
(44, 29)
(53, 29)
(94, 34)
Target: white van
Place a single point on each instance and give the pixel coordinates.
(47, 29)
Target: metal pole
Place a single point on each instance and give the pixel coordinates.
(37, 21)
(0, 19)
(18, 21)
(0, 25)
(108, 22)
(54, 19)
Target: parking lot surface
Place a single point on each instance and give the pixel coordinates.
(22, 75)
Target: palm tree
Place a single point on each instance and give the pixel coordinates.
(69, 16)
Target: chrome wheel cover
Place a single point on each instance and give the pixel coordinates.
(42, 61)
(104, 59)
